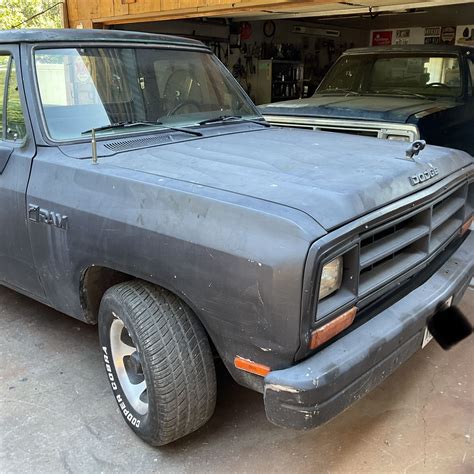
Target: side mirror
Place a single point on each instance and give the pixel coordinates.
(5, 153)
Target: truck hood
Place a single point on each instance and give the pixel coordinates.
(380, 108)
(332, 178)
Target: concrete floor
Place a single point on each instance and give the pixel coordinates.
(57, 415)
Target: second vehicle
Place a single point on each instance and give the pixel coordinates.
(392, 92)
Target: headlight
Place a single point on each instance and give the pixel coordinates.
(331, 277)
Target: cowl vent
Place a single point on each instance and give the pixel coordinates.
(142, 142)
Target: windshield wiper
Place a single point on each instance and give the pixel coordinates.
(137, 123)
(339, 91)
(403, 92)
(226, 118)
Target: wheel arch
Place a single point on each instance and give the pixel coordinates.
(95, 280)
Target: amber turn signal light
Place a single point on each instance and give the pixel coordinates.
(324, 333)
(249, 366)
(466, 225)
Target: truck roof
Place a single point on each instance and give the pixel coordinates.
(412, 48)
(82, 35)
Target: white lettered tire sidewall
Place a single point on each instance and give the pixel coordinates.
(108, 309)
(175, 355)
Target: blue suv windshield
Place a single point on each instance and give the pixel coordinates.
(394, 74)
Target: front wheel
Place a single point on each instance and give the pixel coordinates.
(158, 361)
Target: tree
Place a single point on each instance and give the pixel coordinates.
(14, 12)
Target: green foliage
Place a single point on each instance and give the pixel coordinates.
(14, 12)
(15, 120)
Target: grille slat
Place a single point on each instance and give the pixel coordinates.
(391, 244)
(443, 232)
(388, 270)
(391, 251)
(446, 209)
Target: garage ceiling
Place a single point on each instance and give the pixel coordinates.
(351, 7)
(444, 15)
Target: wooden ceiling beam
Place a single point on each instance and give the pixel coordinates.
(103, 13)
(146, 11)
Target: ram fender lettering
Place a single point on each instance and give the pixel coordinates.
(38, 214)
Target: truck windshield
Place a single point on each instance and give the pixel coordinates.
(92, 87)
(395, 75)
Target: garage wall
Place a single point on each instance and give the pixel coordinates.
(317, 51)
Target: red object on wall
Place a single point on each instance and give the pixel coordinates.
(245, 30)
(381, 38)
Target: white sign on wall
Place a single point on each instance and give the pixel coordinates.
(465, 35)
(461, 35)
(397, 36)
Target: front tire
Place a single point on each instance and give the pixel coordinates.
(158, 361)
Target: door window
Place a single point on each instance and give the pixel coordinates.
(12, 121)
(4, 60)
(16, 129)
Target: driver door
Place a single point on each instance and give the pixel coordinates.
(17, 150)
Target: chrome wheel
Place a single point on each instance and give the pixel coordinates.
(128, 366)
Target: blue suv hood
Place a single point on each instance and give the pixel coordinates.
(378, 108)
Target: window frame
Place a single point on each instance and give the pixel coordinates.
(470, 74)
(5, 95)
(12, 62)
(19, 142)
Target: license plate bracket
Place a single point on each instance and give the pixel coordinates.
(427, 336)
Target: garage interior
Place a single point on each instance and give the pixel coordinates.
(58, 415)
(281, 50)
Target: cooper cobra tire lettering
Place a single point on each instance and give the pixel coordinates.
(128, 416)
(109, 369)
(126, 412)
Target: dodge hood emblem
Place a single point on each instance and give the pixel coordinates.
(423, 176)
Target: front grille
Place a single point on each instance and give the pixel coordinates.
(408, 132)
(375, 133)
(352, 131)
(390, 251)
(382, 257)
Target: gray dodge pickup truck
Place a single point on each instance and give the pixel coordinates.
(142, 191)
